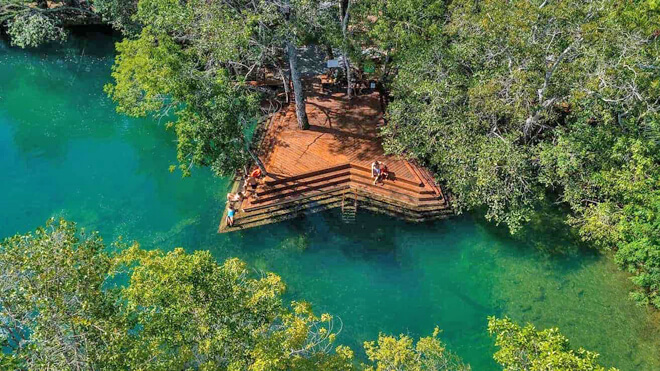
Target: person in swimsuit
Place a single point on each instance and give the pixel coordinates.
(252, 182)
(230, 216)
(250, 187)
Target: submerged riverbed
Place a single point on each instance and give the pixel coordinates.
(65, 152)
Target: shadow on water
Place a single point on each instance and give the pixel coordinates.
(547, 235)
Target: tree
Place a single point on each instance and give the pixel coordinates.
(65, 304)
(344, 13)
(205, 51)
(30, 23)
(526, 349)
(513, 103)
(193, 313)
(389, 30)
(120, 14)
(53, 312)
(390, 354)
(153, 74)
(68, 302)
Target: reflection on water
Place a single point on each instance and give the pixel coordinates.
(64, 151)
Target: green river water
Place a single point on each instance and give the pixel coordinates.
(65, 152)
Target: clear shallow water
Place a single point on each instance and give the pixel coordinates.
(65, 152)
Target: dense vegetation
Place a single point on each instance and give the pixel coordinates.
(516, 104)
(68, 303)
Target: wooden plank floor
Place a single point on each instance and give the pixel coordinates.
(334, 155)
(341, 131)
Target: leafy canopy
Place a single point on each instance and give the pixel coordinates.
(65, 304)
(32, 23)
(517, 102)
(527, 349)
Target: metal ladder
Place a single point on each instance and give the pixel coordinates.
(348, 208)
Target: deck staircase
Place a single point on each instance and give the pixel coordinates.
(342, 186)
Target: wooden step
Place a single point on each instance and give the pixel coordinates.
(398, 179)
(303, 183)
(430, 179)
(298, 197)
(393, 184)
(398, 209)
(405, 217)
(389, 190)
(420, 206)
(284, 204)
(272, 182)
(327, 203)
(299, 191)
(414, 172)
(280, 218)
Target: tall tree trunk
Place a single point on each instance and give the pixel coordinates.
(298, 92)
(344, 9)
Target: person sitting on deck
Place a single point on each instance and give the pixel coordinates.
(252, 182)
(375, 169)
(384, 172)
(230, 216)
(234, 197)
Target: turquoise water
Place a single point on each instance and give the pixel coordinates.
(65, 152)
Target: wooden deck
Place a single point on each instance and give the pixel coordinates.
(315, 169)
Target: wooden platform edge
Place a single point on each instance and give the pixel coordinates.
(368, 201)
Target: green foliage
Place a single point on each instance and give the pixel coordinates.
(190, 62)
(155, 75)
(391, 354)
(53, 313)
(30, 30)
(512, 101)
(32, 23)
(67, 304)
(526, 349)
(395, 28)
(193, 313)
(120, 14)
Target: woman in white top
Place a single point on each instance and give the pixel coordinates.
(375, 169)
